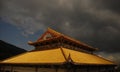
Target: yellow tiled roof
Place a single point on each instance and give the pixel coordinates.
(57, 56)
(85, 58)
(47, 56)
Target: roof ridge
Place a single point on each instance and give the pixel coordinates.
(78, 41)
(63, 54)
(67, 58)
(54, 31)
(104, 58)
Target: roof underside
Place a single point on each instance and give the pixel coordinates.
(57, 56)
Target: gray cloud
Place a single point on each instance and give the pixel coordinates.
(94, 22)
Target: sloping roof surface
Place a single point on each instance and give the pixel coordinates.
(85, 58)
(57, 56)
(47, 56)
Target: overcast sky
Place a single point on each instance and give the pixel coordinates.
(95, 22)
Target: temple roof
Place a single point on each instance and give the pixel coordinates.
(54, 34)
(57, 56)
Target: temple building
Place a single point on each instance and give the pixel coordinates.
(56, 52)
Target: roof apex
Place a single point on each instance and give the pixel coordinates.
(51, 32)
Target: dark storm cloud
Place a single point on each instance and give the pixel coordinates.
(112, 5)
(91, 21)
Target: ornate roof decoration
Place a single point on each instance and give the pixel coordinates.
(51, 34)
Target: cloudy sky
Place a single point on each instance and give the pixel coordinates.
(95, 22)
